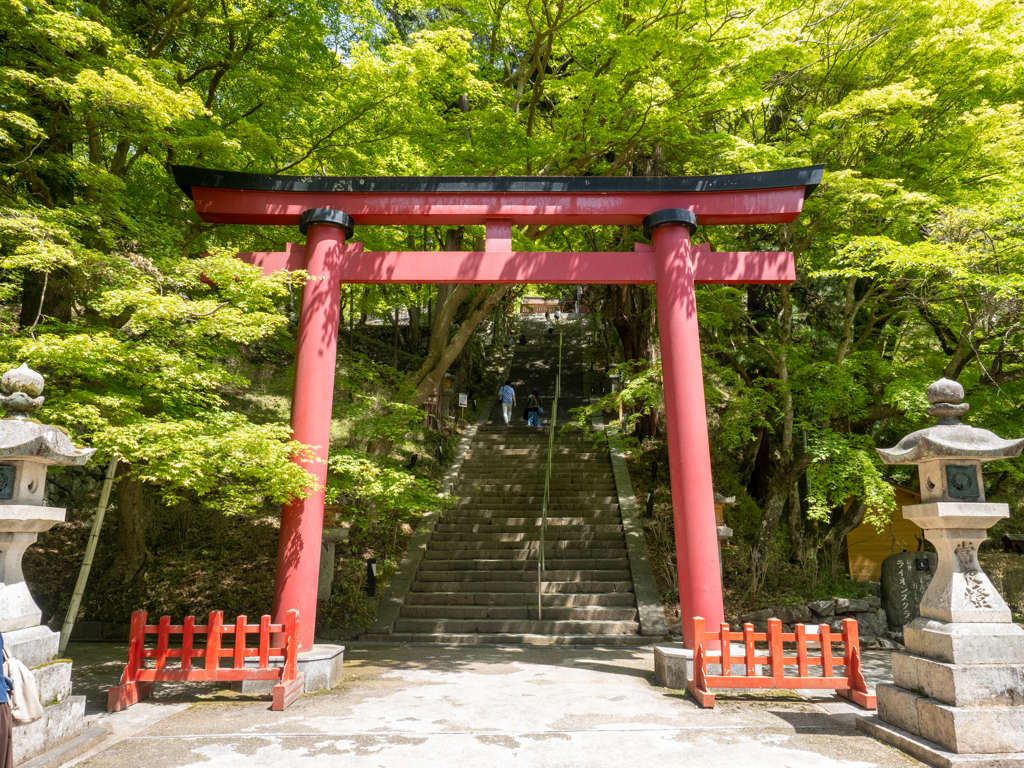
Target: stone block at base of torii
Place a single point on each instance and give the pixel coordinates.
(673, 666)
(321, 669)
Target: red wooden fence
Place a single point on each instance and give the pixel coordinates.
(850, 685)
(137, 679)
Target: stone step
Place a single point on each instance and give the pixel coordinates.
(531, 515)
(525, 466)
(529, 466)
(494, 450)
(513, 523)
(589, 469)
(547, 587)
(481, 448)
(550, 535)
(562, 454)
(573, 477)
(534, 627)
(454, 638)
(497, 497)
(424, 575)
(520, 471)
(533, 485)
(521, 501)
(521, 613)
(604, 512)
(498, 452)
(559, 457)
(608, 599)
(531, 437)
(441, 550)
(513, 564)
(598, 518)
(554, 531)
(534, 476)
(510, 500)
(551, 552)
(558, 491)
(561, 451)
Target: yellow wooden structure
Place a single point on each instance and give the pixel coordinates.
(867, 548)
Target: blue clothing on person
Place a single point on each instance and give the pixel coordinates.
(7, 686)
(507, 394)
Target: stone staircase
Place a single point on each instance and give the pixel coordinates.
(477, 581)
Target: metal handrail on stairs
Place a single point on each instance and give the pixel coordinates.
(547, 477)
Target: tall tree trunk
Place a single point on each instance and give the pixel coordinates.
(132, 554)
(394, 362)
(834, 541)
(796, 525)
(443, 350)
(787, 469)
(631, 309)
(761, 468)
(57, 302)
(445, 347)
(415, 332)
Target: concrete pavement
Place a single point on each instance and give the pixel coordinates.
(482, 705)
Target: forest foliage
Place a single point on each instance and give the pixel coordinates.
(908, 255)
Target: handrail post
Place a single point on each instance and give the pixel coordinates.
(552, 423)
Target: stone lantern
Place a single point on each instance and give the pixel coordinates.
(27, 448)
(958, 696)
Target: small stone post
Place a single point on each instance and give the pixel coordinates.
(27, 448)
(958, 697)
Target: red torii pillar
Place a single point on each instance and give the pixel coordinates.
(673, 264)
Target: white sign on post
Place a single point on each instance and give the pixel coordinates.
(463, 400)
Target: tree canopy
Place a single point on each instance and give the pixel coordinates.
(909, 254)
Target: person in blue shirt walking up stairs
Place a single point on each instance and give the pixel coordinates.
(6, 720)
(508, 401)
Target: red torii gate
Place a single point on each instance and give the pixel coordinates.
(669, 209)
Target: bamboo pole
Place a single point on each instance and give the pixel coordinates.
(90, 551)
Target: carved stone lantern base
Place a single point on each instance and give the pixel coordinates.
(957, 695)
(959, 688)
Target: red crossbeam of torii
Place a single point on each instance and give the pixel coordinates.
(669, 209)
(544, 267)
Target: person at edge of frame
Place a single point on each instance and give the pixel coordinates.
(6, 719)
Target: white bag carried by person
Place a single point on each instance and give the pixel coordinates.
(25, 706)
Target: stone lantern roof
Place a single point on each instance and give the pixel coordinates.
(21, 437)
(949, 438)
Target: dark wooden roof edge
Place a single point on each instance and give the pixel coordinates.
(808, 177)
(902, 487)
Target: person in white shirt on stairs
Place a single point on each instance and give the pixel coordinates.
(508, 401)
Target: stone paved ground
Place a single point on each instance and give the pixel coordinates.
(480, 706)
